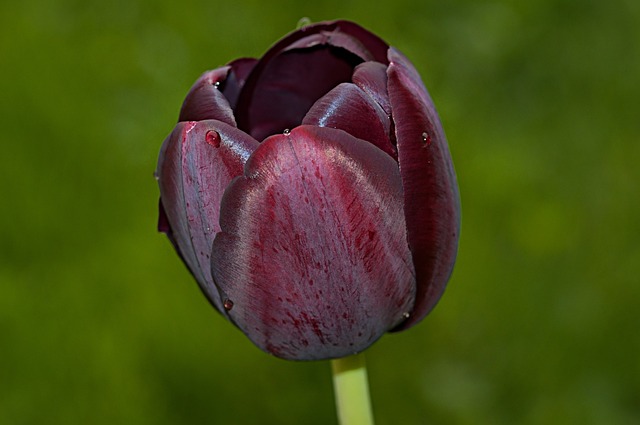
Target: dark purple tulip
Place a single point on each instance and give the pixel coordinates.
(311, 193)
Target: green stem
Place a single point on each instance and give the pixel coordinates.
(352, 390)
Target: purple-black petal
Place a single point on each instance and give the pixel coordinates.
(312, 259)
(298, 70)
(432, 205)
(197, 162)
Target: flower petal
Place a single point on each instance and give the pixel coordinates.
(432, 204)
(349, 108)
(205, 101)
(197, 162)
(312, 260)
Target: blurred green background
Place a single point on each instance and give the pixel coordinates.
(100, 323)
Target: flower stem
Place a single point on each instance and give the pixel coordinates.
(352, 390)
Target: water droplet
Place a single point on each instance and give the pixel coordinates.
(156, 175)
(286, 132)
(426, 139)
(227, 304)
(213, 138)
(303, 22)
(406, 315)
(216, 84)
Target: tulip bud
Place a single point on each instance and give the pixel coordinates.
(311, 193)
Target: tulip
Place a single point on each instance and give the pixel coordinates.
(311, 193)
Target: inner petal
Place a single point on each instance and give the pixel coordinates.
(289, 85)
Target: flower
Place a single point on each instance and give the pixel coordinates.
(311, 193)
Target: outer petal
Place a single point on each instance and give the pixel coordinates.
(351, 109)
(432, 205)
(205, 101)
(312, 259)
(197, 162)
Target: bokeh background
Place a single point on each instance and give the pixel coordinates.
(100, 323)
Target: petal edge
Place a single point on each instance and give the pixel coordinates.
(432, 203)
(197, 162)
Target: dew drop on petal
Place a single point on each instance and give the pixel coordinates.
(426, 139)
(227, 304)
(286, 132)
(303, 22)
(216, 84)
(213, 138)
(406, 315)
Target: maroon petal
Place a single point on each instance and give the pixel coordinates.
(349, 108)
(197, 162)
(312, 260)
(205, 101)
(432, 205)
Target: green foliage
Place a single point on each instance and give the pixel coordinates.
(101, 324)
